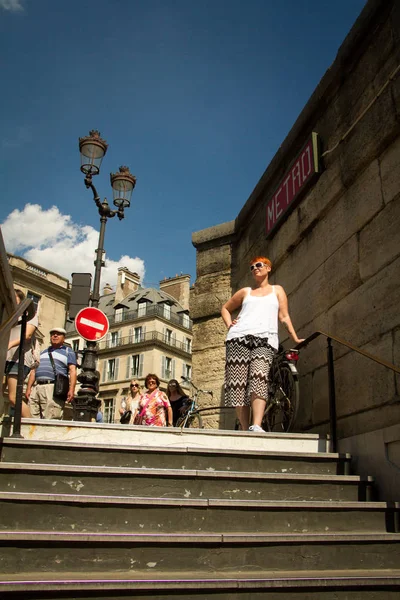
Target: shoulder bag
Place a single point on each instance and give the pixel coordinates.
(61, 382)
(126, 417)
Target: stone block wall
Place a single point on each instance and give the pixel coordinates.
(338, 253)
(211, 290)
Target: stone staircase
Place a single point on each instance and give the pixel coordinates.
(154, 513)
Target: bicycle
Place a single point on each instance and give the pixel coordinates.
(283, 393)
(192, 417)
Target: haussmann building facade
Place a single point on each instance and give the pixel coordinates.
(150, 332)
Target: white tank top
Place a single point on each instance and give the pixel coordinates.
(258, 317)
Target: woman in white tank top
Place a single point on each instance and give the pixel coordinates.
(252, 341)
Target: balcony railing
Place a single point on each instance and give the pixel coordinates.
(152, 310)
(149, 337)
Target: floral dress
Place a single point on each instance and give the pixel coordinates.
(155, 413)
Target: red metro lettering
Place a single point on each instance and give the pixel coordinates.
(292, 184)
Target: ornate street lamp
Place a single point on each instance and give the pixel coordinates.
(93, 149)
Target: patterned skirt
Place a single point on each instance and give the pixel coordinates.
(248, 362)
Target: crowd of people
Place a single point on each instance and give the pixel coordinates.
(151, 407)
(251, 344)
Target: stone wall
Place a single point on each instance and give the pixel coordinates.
(338, 252)
(211, 290)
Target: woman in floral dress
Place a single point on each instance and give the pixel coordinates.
(154, 407)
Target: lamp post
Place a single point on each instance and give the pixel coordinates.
(93, 149)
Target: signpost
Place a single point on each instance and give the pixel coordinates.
(91, 324)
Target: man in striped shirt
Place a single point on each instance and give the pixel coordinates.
(40, 386)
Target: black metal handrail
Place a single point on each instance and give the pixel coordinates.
(331, 373)
(25, 310)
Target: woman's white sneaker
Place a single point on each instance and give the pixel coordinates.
(256, 428)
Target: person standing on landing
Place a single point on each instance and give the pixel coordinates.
(40, 388)
(252, 341)
(131, 402)
(11, 370)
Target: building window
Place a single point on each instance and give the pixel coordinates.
(142, 309)
(168, 336)
(188, 345)
(114, 339)
(112, 369)
(167, 367)
(75, 345)
(186, 321)
(118, 314)
(135, 366)
(138, 335)
(109, 410)
(109, 371)
(166, 311)
(187, 371)
(35, 298)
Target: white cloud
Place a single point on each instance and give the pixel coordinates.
(11, 5)
(53, 241)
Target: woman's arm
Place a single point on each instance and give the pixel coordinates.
(121, 409)
(232, 304)
(31, 381)
(283, 314)
(30, 330)
(167, 405)
(169, 417)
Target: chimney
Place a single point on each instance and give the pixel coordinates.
(177, 287)
(127, 283)
(107, 289)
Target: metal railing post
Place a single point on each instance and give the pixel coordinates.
(20, 380)
(332, 396)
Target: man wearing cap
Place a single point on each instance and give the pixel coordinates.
(40, 386)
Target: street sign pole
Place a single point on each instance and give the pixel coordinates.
(91, 324)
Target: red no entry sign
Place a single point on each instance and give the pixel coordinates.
(91, 323)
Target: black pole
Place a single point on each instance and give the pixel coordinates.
(332, 396)
(99, 263)
(20, 380)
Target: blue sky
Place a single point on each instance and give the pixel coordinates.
(195, 96)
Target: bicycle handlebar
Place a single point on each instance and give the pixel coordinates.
(196, 388)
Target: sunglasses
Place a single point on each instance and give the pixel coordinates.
(257, 265)
(134, 385)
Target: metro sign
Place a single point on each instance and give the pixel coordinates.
(91, 324)
(293, 183)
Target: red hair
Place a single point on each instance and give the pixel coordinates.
(263, 259)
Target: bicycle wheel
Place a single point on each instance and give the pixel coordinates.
(193, 420)
(283, 402)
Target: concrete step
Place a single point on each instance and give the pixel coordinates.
(116, 514)
(128, 435)
(328, 585)
(204, 554)
(185, 457)
(181, 483)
